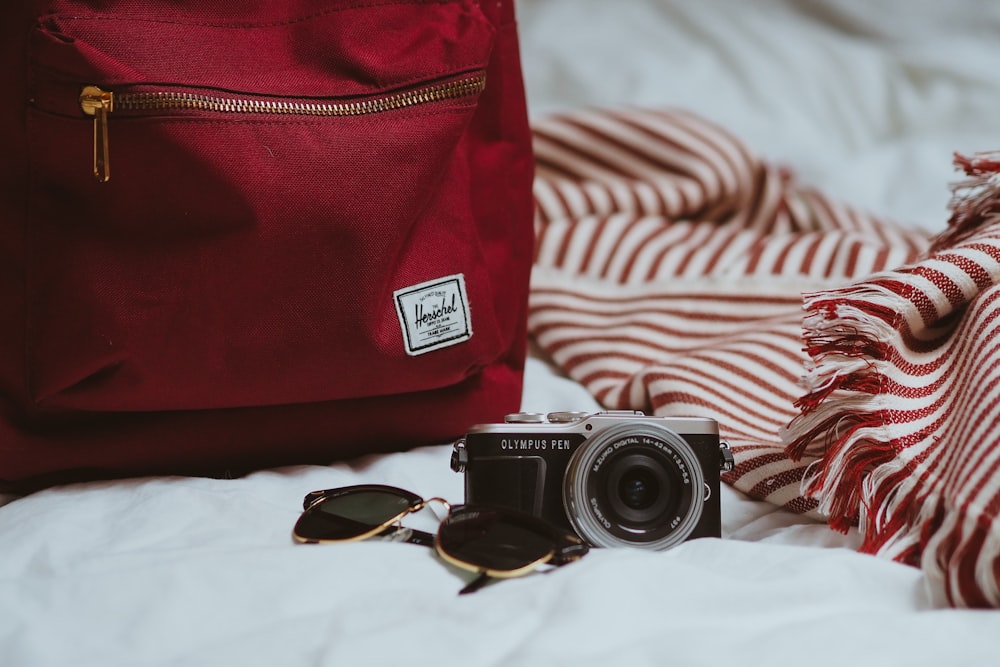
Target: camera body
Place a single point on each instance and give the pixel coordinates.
(615, 478)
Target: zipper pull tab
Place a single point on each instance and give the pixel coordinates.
(99, 103)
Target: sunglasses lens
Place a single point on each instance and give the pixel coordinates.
(494, 540)
(349, 513)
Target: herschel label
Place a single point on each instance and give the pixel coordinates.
(433, 314)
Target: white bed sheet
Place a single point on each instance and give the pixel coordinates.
(866, 100)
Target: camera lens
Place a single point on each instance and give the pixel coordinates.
(638, 489)
(636, 484)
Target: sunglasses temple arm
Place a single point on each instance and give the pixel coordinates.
(476, 584)
(408, 535)
(420, 537)
(569, 553)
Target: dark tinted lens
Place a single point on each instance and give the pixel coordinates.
(352, 512)
(640, 493)
(494, 539)
(638, 488)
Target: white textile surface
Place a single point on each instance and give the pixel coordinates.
(865, 99)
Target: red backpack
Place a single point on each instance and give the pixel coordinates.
(239, 235)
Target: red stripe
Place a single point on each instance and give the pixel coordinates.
(901, 417)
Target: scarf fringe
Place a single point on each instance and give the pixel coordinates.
(859, 476)
(975, 202)
(843, 414)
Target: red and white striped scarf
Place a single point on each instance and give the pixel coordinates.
(671, 272)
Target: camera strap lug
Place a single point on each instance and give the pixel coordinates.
(459, 456)
(726, 461)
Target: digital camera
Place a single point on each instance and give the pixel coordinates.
(615, 478)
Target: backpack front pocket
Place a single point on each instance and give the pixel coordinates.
(239, 236)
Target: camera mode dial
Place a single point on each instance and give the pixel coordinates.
(525, 418)
(566, 417)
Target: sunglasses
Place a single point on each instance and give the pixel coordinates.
(493, 542)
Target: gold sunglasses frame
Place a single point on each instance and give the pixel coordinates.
(565, 547)
(315, 498)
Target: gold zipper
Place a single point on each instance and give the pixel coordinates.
(101, 103)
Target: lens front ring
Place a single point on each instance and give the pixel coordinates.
(608, 509)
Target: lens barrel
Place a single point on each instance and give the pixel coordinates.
(635, 485)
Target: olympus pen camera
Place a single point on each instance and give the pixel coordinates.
(615, 478)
